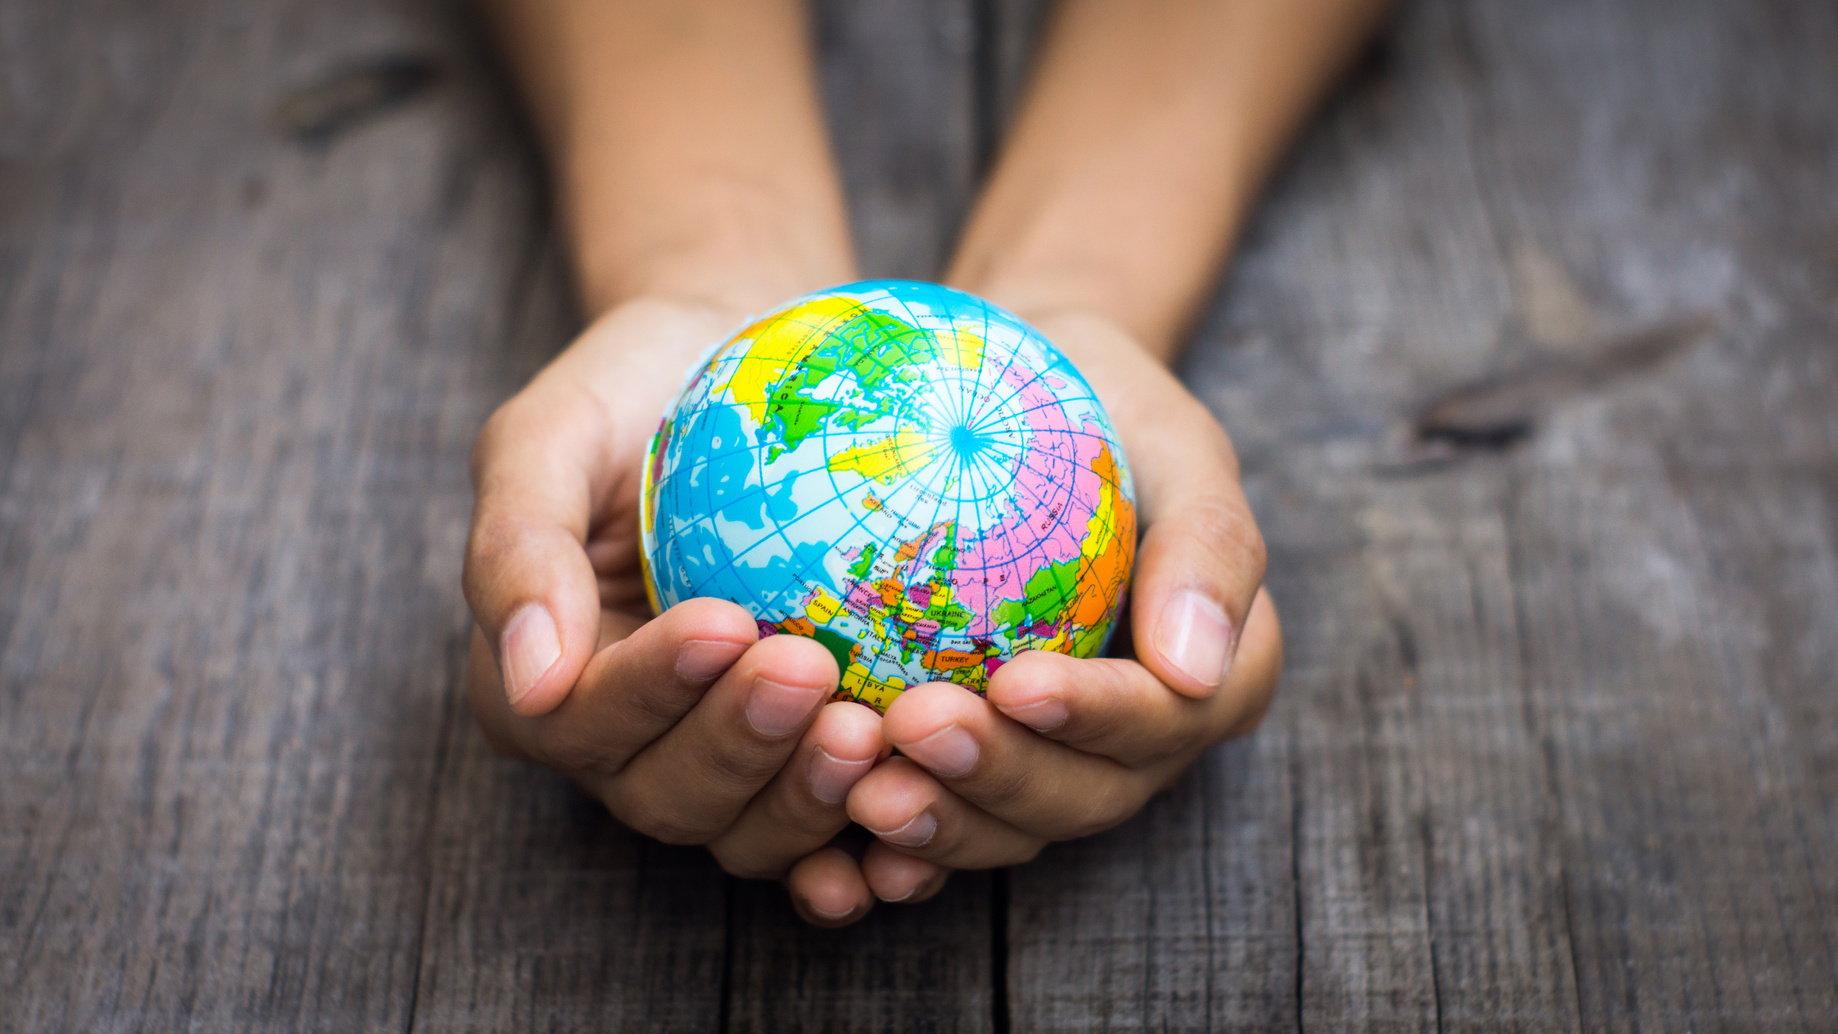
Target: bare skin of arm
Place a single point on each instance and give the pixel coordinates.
(697, 186)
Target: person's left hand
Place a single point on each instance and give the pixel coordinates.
(1062, 747)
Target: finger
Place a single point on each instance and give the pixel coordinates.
(1120, 710)
(910, 811)
(632, 691)
(541, 461)
(689, 784)
(1043, 788)
(897, 877)
(827, 888)
(802, 808)
(1201, 560)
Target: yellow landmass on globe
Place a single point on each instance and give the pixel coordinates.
(962, 348)
(897, 455)
(859, 684)
(823, 607)
(779, 343)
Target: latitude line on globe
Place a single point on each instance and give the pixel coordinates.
(1011, 564)
(764, 487)
(887, 643)
(1023, 386)
(799, 579)
(835, 498)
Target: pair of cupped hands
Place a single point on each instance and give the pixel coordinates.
(692, 729)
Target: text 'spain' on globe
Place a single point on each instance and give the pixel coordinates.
(906, 473)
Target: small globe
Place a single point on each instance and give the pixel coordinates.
(906, 473)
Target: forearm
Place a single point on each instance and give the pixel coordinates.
(688, 146)
(1146, 133)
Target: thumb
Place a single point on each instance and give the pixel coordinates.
(1201, 560)
(540, 462)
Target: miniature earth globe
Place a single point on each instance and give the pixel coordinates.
(906, 473)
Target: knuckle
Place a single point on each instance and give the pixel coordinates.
(1217, 519)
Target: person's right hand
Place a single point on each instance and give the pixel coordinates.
(688, 726)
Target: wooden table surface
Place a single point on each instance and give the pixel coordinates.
(1529, 355)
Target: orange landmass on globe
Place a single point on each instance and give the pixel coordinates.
(1109, 549)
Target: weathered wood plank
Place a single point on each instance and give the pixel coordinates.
(1471, 853)
(923, 968)
(1557, 748)
(241, 376)
(1494, 897)
(547, 915)
(1181, 919)
(1672, 541)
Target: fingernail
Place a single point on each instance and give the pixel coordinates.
(910, 891)
(1195, 637)
(703, 660)
(949, 752)
(531, 647)
(1043, 715)
(920, 872)
(774, 709)
(826, 913)
(832, 777)
(903, 876)
(916, 833)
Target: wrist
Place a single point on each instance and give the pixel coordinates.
(1080, 305)
(735, 247)
(1092, 338)
(1148, 285)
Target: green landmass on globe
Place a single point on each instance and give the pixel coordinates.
(906, 473)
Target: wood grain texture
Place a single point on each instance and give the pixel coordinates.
(1533, 750)
(1183, 918)
(240, 379)
(1557, 747)
(920, 968)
